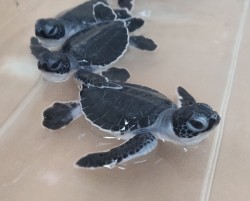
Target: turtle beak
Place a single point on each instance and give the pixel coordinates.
(39, 26)
(215, 118)
(42, 66)
(38, 31)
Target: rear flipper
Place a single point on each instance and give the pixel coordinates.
(103, 12)
(142, 43)
(131, 22)
(139, 145)
(122, 14)
(134, 23)
(36, 49)
(126, 4)
(61, 114)
(116, 74)
(90, 79)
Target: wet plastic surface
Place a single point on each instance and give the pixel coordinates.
(202, 46)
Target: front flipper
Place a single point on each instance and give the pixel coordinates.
(142, 43)
(103, 12)
(134, 24)
(116, 74)
(184, 97)
(95, 80)
(61, 114)
(126, 4)
(36, 49)
(139, 145)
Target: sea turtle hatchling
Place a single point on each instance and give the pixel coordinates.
(53, 32)
(135, 113)
(92, 48)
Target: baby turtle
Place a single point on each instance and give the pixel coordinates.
(53, 32)
(137, 114)
(94, 47)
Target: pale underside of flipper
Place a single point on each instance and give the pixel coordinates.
(184, 97)
(61, 114)
(36, 49)
(139, 145)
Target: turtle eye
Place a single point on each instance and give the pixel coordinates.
(56, 65)
(197, 125)
(52, 30)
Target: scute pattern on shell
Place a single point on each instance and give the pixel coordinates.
(95, 46)
(126, 109)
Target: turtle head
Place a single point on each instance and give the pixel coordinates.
(192, 122)
(49, 29)
(56, 66)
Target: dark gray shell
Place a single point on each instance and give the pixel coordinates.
(98, 45)
(125, 109)
(82, 13)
